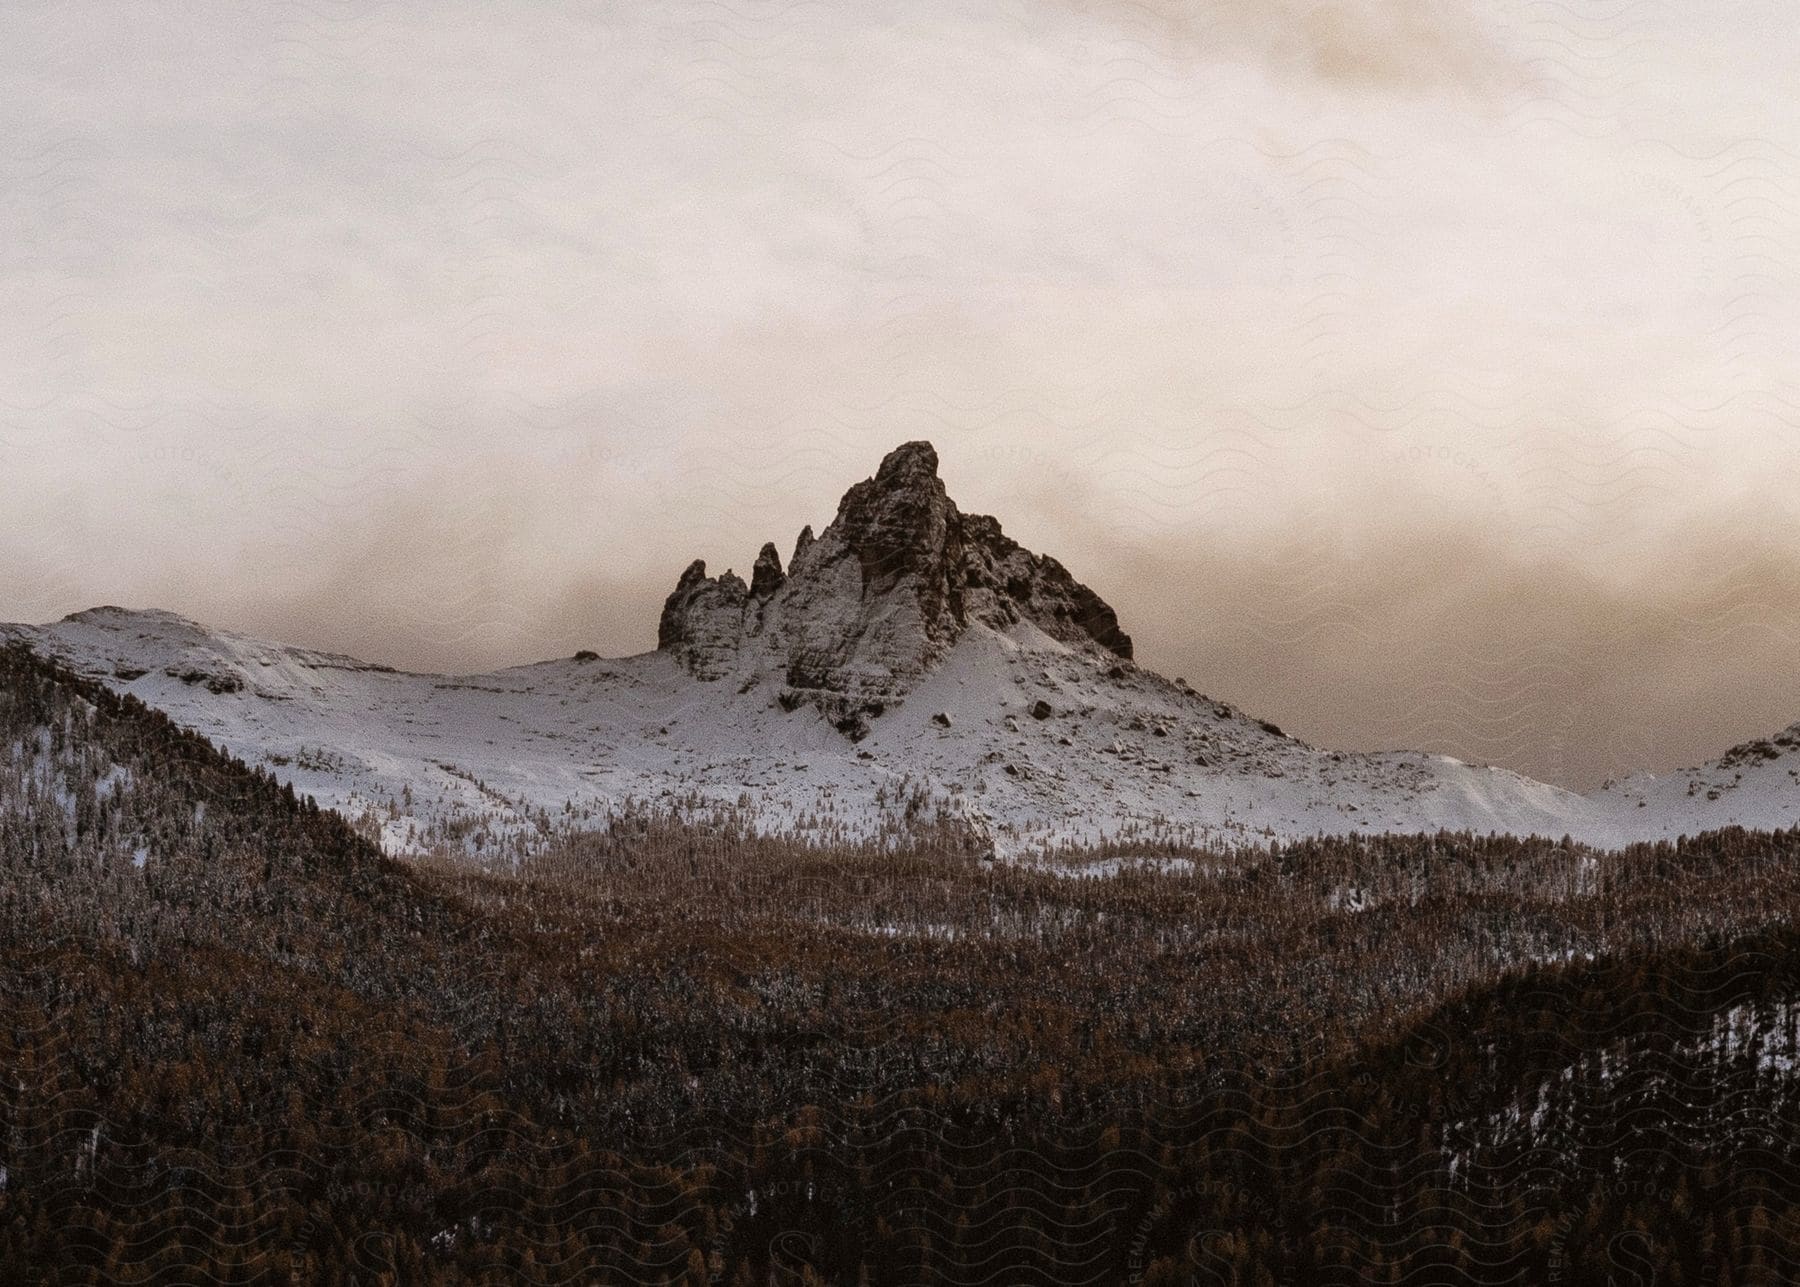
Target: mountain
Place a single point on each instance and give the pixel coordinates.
(238, 1044)
(910, 663)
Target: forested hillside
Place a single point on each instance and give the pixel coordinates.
(237, 1044)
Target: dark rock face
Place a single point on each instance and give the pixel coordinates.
(703, 621)
(1004, 583)
(766, 577)
(901, 523)
(878, 596)
(671, 631)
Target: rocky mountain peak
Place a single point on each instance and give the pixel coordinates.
(877, 597)
(910, 465)
(900, 521)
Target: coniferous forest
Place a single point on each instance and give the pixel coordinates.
(239, 1045)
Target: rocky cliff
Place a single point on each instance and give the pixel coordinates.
(877, 598)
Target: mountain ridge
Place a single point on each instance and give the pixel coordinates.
(910, 663)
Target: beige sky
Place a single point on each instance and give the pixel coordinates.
(1408, 373)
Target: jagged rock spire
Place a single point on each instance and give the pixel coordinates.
(702, 621)
(766, 577)
(879, 595)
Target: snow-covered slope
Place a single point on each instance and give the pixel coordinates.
(1755, 784)
(912, 662)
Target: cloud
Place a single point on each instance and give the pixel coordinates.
(1442, 635)
(1411, 46)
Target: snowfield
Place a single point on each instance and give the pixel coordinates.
(1037, 742)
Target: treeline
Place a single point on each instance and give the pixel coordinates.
(239, 1045)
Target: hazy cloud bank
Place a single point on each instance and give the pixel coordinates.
(1406, 373)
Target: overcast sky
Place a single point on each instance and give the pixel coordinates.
(1407, 372)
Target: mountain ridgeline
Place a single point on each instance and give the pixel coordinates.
(911, 667)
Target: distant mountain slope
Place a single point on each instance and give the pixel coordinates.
(1755, 784)
(912, 661)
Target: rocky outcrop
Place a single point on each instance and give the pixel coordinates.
(1006, 583)
(766, 577)
(703, 621)
(878, 596)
